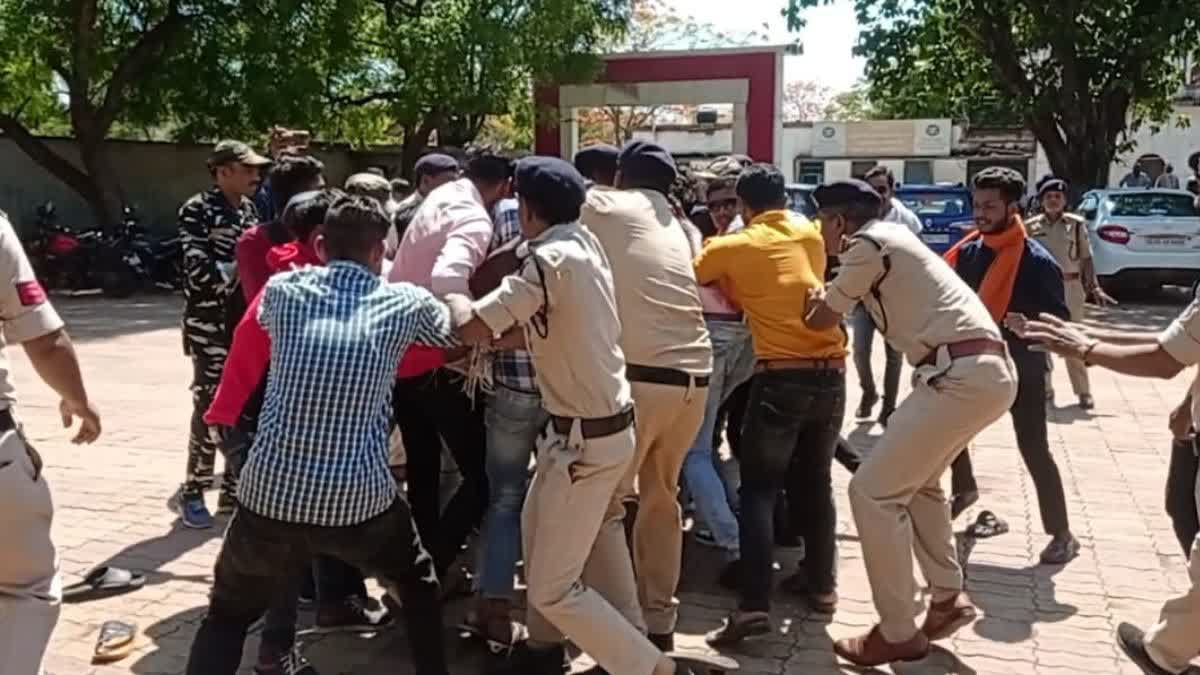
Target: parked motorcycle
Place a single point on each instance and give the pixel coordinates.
(132, 260)
(63, 258)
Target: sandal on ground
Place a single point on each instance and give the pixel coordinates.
(103, 582)
(986, 526)
(116, 641)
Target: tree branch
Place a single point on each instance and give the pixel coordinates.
(39, 152)
(136, 62)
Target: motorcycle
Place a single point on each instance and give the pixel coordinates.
(132, 260)
(63, 258)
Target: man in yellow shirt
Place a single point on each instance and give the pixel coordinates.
(797, 396)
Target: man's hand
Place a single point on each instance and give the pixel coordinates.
(475, 332)
(1101, 298)
(814, 301)
(513, 338)
(89, 420)
(1180, 421)
(1053, 334)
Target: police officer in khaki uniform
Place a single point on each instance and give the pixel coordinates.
(563, 303)
(963, 380)
(1065, 236)
(1171, 644)
(30, 589)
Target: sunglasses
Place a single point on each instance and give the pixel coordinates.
(722, 204)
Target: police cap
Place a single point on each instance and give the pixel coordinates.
(599, 157)
(845, 193)
(230, 152)
(554, 188)
(648, 165)
(1052, 185)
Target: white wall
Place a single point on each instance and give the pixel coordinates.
(1171, 143)
(717, 142)
(797, 142)
(949, 170)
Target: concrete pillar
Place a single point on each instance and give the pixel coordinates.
(568, 130)
(740, 134)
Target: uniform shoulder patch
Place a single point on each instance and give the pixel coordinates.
(30, 293)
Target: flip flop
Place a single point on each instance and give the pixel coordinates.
(708, 664)
(986, 526)
(116, 641)
(104, 582)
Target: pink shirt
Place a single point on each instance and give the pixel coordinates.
(712, 299)
(446, 240)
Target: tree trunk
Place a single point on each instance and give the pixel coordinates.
(416, 139)
(111, 195)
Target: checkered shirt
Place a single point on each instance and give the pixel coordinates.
(321, 453)
(513, 368)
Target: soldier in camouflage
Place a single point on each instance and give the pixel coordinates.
(210, 224)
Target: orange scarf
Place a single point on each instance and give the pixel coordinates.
(997, 287)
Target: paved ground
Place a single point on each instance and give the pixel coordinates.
(111, 509)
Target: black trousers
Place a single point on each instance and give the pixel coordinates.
(430, 409)
(1029, 420)
(251, 574)
(793, 423)
(332, 580)
(1182, 503)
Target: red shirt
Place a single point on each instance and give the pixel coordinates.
(251, 255)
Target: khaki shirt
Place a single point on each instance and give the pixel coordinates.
(657, 295)
(25, 312)
(579, 363)
(1066, 239)
(922, 303)
(1182, 341)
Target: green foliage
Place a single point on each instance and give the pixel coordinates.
(1081, 74)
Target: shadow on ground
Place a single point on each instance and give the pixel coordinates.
(96, 318)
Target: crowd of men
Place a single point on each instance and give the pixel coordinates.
(587, 320)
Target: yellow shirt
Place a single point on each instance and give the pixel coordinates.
(768, 268)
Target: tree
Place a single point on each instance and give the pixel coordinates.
(852, 105)
(1081, 75)
(805, 101)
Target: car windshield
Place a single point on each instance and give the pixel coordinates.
(936, 203)
(1151, 204)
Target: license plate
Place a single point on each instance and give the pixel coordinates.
(1166, 240)
(933, 238)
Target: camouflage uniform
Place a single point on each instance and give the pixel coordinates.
(209, 229)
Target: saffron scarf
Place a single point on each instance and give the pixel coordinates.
(997, 286)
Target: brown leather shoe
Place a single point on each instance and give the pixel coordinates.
(946, 618)
(873, 650)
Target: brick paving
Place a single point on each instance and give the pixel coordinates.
(111, 508)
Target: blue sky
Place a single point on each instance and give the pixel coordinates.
(828, 38)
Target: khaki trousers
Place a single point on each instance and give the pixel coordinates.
(1175, 640)
(668, 419)
(1076, 370)
(30, 589)
(897, 497)
(565, 528)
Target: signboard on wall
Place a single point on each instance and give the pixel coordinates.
(882, 138)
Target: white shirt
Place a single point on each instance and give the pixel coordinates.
(900, 213)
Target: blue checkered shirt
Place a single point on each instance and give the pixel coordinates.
(513, 368)
(321, 453)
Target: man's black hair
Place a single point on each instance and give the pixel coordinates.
(881, 170)
(858, 213)
(310, 214)
(489, 169)
(354, 225)
(291, 175)
(720, 183)
(762, 188)
(1008, 181)
(1194, 161)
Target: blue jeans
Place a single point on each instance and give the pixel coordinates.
(864, 338)
(513, 419)
(733, 363)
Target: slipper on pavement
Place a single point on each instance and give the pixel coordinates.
(116, 641)
(102, 582)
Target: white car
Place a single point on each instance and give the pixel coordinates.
(1143, 238)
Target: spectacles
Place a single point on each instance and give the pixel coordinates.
(722, 204)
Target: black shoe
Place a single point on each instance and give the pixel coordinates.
(1061, 550)
(664, 641)
(291, 662)
(352, 615)
(730, 577)
(1133, 642)
(866, 405)
(885, 413)
(226, 504)
(737, 628)
(1086, 402)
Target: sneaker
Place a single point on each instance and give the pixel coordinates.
(866, 405)
(1133, 642)
(351, 615)
(291, 663)
(1061, 550)
(193, 513)
(740, 626)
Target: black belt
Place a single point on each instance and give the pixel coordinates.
(667, 376)
(595, 427)
(7, 421)
(718, 316)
